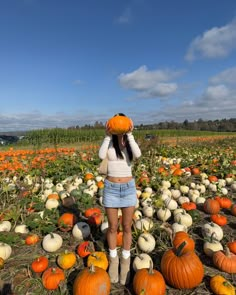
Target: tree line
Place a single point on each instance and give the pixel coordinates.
(223, 125)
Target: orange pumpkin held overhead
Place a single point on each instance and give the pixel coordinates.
(119, 124)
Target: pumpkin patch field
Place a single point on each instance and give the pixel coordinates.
(53, 224)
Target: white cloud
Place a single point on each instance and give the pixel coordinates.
(227, 77)
(214, 43)
(37, 120)
(150, 84)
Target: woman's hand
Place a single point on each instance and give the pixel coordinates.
(131, 127)
(107, 130)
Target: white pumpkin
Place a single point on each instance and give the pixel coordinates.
(176, 227)
(144, 224)
(21, 228)
(166, 191)
(59, 187)
(5, 250)
(137, 214)
(166, 184)
(184, 189)
(146, 202)
(52, 242)
(146, 242)
(81, 230)
(175, 193)
(104, 227)
(209, 247)
(51, 204)
(183, 199)
(193, 194)
(229, 180)
(184, 218)
(212, 187)
(233, 186)
(142, 260)
(171, 204)
(224, 191)
(5, 225)
(148, 211)
(200, 200)
(201, 188)
(148, 190)
(163, 214)
(221, 182)
(178, 210)
(212, 230)
(97, 178)
(138, 192)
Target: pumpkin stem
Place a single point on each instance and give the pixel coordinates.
(227, 251)
(143, 292)
(150, 271)
(179, 250)
(212, 238)
(227, 284)
(92, 268)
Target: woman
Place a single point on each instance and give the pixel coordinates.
(119, 192)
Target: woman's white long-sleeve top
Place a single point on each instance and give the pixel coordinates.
(119, 167)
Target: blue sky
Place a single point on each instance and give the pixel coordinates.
(66, 63)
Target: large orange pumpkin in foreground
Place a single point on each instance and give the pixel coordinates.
(92, 280)
(119, 124)
(182, 270)
(149, 281)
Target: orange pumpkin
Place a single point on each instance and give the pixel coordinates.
(119, 238)
(195, 171)
(53, 196)
(178, 172)
(232, 246)
(181, 237)
(1, 263)
(85, 248)
(219, 219)
(224, 202)
(225, 261)
(98, 258)
(149, 282)
(119, 124)
(92, 280)
(189, 206)
(52, 277)
(233, 209)
(95, 219)
(182, 270)
(90, 211)
(31, 239)
(211, 206)
(40, 264)
(88, 176)
(66, 260)
(66, 221)
(212, 178)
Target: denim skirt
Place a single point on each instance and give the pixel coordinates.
(119, 195)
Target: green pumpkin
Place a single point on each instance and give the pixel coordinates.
(195, 214)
